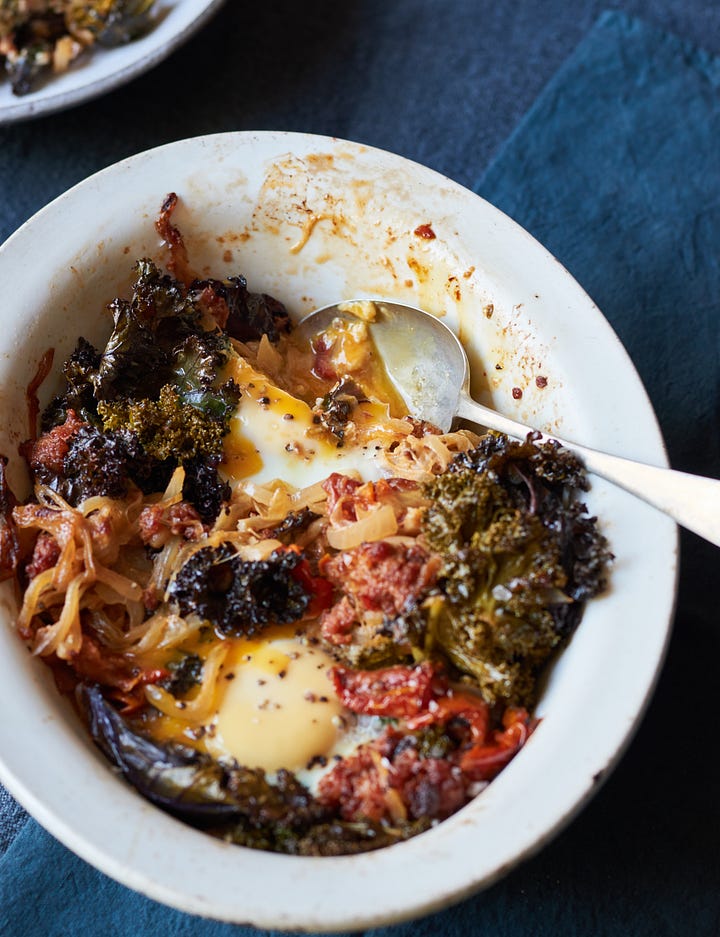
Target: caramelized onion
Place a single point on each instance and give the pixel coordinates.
(375, 525)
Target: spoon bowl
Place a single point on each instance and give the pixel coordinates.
(423, 358)
(429, 368)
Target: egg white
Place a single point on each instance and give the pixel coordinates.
(273, 436)
(278, 709)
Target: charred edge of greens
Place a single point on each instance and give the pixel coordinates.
(239, 597)
(166, 427)
(333, 838)
(240, 804)
(336, 407)
(250, 315)
(519, 556)
(292, 524)
(185, 673)
(399, 640)
(204, 488)
(155, 397)
(79, 393)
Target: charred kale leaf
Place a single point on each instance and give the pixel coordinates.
(291, 525)
(148, 473)
(158, 377)
(157, 343)
(203, 487)
(166, 427)
(155, 398)
(519, 555)
(336, 407)
(78, 371)
(102, 464)
(240, 596)
(186, 673)
(157, 390)
(250, 315)
(95, 464)
(137, 360)
(525, 466)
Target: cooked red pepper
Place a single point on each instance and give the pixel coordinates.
(472, 710)
(485, 756)
(318, 588)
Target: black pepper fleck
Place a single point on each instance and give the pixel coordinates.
(320, 760)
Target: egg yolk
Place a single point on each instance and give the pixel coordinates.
(278, 708)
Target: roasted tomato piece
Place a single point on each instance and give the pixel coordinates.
(482, 762)
(318, 588)
(397, 692)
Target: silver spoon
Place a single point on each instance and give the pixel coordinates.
(429, 367)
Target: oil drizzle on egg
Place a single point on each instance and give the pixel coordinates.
(281, 427)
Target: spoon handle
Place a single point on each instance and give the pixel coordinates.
(691, 500)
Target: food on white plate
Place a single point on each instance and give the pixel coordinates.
(289, 613)
(43, 37)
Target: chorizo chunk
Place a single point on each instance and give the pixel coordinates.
(49, 451)
(383, 577)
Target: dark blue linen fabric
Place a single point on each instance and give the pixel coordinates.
(616, 169)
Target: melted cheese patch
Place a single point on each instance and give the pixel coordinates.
(278, 707)
(273, 435)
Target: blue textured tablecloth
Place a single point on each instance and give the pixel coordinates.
(616, 169)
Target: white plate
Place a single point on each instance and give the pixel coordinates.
(312, 220)
(100, 70)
